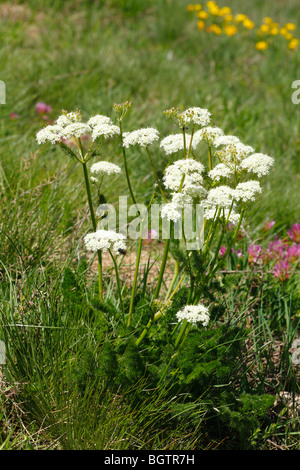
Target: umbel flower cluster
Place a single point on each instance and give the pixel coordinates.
(204, 168)
(217, 20)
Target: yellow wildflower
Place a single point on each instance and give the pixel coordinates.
(261, 45)
(198, 7)
(240, 18)
(290, 26)
(190, 7)
(214, 28)
(225, 11)
(230, 30)
(202, 15)
(274, 30)
(248, 24)
(268, 20)
(293, 44)
(264, 28)
(228, 18)
(200, 25)
(214, 10)
(288, 36)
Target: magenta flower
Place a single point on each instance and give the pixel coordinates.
(292, 253)
(281, 271)
(42, 108)
(255, 253)
(151, 234)
(222, 250)
(276, 248)
(269, 225)
(294, 233)
(14, 116)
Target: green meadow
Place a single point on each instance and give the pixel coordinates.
(74, 378)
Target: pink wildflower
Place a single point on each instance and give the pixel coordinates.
(151, 234)
(294, 233)
(269, 225)
(42, 108)
(277, 248)
(292, 253)
(281, 271)
(14, 116)
(255, 253)
(222, 250)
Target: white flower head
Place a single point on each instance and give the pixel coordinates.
(234, 153)
(174, 143)
(143, 137)
(194, 314)
(258, 163)
(188, 168)
(247, 191)
(229, 215)
(171, 211)
(226, 140)
(105, 240)
(222, 196)
(104, 130)
(50, 134)
(208, 135)
(74, 116)
(75, 129)
(105, 168)
(199, 116)
(220, 171)
(98, 120)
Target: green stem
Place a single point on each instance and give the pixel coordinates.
(137, 263)
(118, 282)
(125, 164)
(156, 176)
(209, 158)
(162, 269)
(94, 222)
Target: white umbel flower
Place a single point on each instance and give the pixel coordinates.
(194, 314)
(76, 129)
(142, 137)
(230, 216)
(247, 191)
(105, 168)
(52, 134)
(175, 142)
(199, 116)
(98, 120)
(222, 196)
(105, 240)
(208, 135)
(104, 130)
(220, 171)
(234, 153)
(189, 168)
(258, 163)
(171, 211)
(226, 140)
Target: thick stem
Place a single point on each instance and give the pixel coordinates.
(162, 269)
(118, 282)
(125, 165)
(94, 222)
(156, 177)
(137, 263)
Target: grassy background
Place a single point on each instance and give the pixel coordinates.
(89, 55)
